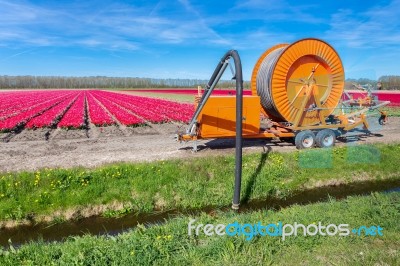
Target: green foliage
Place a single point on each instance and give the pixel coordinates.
(98, 82)
(190, 183)
(170, 244)
(390, 82)
(392, 111)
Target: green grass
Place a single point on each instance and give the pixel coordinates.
(166, 96)
(392, 111)
(170, 244)
(189, 183)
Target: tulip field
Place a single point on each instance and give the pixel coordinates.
(392, 96)
(193, 91)
(77, 108)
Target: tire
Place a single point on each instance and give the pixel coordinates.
(325, 138)
(382, 120)
(304, 139)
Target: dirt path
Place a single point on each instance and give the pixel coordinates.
(30, 150)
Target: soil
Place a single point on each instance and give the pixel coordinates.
(35, 149)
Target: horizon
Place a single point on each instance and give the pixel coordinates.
(185, 39)
(192, 79)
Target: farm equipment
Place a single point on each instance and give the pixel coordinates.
(297, 93)
(298, 88)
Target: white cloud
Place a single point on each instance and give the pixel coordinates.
(113, 26)
(118, 26)
(378, 26)
(20, 13)
(132, 27)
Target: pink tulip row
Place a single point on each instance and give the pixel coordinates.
(129, 104)
(97, 114)
(13, 100)
(122, 115)
(71, 109)
(16, 104)
(392, 96)
(75, 116)
(52, 116)
(24, 116)
(152, 110)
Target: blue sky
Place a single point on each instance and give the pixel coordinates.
(186, 38)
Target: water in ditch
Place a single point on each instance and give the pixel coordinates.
(113, 226)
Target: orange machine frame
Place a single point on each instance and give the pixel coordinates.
(217, 118)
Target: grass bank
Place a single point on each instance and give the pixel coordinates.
(170, 244)
(392, 111)
(165, 96)
(52, 194)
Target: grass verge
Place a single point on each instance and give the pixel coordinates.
(170, 243)
(57, 194)
(166, 96)
(392, 111)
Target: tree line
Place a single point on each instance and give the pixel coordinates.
(390, 82)
(100, 82)
(387, 82)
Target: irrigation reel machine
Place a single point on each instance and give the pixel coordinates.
(298, 87)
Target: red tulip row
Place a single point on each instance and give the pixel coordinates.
(97, 114)
(15, 104)
(70, 109)
(52, 116)
(122, 115)
(12, 101)
(152, 110)
(392, 96)
(128, 103)
(75, 116)
(24, 116)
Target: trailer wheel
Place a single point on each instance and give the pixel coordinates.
(304, 139)
(382, 120)
(325, 138)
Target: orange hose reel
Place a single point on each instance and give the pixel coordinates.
(284, 72)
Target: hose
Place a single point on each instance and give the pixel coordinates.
(264, 77)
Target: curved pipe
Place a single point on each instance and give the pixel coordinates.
(219, 70)
(239, 128)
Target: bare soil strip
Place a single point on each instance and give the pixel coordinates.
(29, 149)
